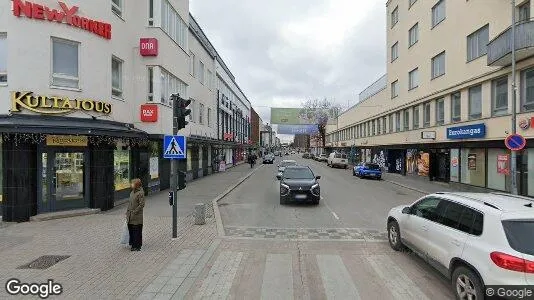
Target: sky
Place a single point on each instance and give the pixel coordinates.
(283, 52)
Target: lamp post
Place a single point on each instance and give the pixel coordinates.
(513, 157)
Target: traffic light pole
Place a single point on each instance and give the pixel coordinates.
(174, 172)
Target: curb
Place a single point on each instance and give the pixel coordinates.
(216, 213)
(406, 186)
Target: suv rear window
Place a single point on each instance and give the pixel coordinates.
(519, 235)
(373, 166)
(338, 155)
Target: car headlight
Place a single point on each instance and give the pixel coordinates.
(284, 189)
(316, 189)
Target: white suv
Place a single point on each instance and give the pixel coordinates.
(476, 239)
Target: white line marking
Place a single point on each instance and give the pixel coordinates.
(277, 277)
(337, 281)
(329, 208)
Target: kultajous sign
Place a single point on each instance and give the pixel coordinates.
(55, 105)
(66, 140)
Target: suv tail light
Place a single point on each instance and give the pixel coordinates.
(512, 263)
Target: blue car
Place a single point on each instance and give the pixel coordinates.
(368, 170)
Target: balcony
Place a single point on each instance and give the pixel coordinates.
(500, 48)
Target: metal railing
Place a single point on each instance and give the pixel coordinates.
(501, 46)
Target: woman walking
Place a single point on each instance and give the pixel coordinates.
(134, 214)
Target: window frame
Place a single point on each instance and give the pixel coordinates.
(192, 64)
(396, 48)
(476, 35)
(414, 206)
(414, 28)
(390, 120)
(53, 75)
(434, 22)
(201, 113)
(119, 89)
(415, 121)
(527, 106)
(117, 9)
(478, 115)
(521, 9)
(4, 73)
(413, 73)
(201, 72)
(406, 120)
(150, 77)
(456, 118)
(498, 111)
(435, 60)
(394, 18)
(440, 113)
(427, 114)
(411, 3)
(398, 127)
(395, 89)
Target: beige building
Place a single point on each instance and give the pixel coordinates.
(444, 107)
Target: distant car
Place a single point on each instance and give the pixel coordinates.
(312, 156)
(268, 158)
(278, 153)
(293, 153)
(322, 157)
(285, 163)
(474, 239)
(298, 183)
(337, 160)
(287, 153)
(369, 170)
(306, 155)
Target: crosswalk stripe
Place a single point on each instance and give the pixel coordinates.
(337, 281)
(221, 276)
(277, 277)
(399, 284)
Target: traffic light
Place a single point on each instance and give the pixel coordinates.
(181, 180)
(180, 110)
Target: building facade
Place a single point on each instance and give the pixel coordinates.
(86, 100)
(301, 141)
(444, 107)
(255, 122)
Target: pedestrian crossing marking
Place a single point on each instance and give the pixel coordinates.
(173, 148)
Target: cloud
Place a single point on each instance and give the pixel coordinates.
(283, 52)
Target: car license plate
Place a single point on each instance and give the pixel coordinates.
(300, 196)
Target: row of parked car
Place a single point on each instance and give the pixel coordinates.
(340, 160)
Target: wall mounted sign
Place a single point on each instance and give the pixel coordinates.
(502, 164)
(55, 105)
(473, 131)
(66, 140)
(472, 161)
(149, 113)
(297, 129)
(65, 15)
(148, 46)
(524, 124)
(428, 135)
(228, 136)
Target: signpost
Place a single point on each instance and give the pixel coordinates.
(515, 142)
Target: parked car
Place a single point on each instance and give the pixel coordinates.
(268, 158)
(337, 160)
(285, 163)
(278, 153)
(298, 183)
(475, 239)
(306, 155)
(321, 157)
(369, 170)
(312, 156)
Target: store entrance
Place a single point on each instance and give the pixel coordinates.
(63, 180)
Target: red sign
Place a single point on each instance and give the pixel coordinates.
(228, 136)
(148, 46)
(149, 113)
(502, 164)
(64, 15)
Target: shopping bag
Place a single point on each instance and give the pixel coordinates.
(125, 238)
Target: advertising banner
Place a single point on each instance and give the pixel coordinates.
(297, 129)
(455, 163)
(502, 164)
(154, 167)
(467, 132)
(303, 116)
(472, 161)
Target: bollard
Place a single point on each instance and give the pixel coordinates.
(200, 214)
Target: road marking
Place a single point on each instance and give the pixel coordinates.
(400, 285)
(330, 209)
(336, 279)
(277, 277)
(221, 276)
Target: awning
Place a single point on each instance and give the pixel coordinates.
(67, 125)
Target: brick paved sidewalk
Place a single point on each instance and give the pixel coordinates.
(425, 186)
(98, 266)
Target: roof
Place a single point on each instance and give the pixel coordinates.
(500, 201)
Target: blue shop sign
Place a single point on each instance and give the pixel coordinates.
(473, 131)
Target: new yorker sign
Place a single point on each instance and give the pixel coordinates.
(65, 14)
(55, 105)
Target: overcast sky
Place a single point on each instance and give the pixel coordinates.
(283, 52)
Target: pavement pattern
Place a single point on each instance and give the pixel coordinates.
(355, 234)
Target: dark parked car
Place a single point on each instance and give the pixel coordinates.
(298, 183)
(367, 170)
(306, 155)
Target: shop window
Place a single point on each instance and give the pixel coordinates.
(456, 107)
(3, 58)
(499, 92)
(498, 166)
(475, 102)
(455, 165)
(440, 112)
(121, 160)
(473, 167)
(527, 82)
(416, 117)
(65, 63)
(116, 77)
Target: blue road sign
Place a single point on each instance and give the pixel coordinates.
(515, 142)
(174, 147)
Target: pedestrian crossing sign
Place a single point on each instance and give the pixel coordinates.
(174, 147)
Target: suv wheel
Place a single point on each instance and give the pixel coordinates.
(394, 237)
(466, 284)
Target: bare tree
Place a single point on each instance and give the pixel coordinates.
(320, 111)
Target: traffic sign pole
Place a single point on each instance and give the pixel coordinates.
(513, 157)
(174, 171)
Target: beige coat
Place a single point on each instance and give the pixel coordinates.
(134, 213)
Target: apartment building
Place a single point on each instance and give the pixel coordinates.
(86, 88)
(444, 107)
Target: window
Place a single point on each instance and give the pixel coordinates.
(527, 92)
(524, 11)
(411, 2)
(210, 79)
(150, 84)
(121, 161)
(456, 107)
(473, 166)
(416, 117)
(413, 35)
(426, 114)
(440, 111)
(475, 102)
(395, 51)
(438, 65)
(116, 7)
(397, 121)
(3, 58)
(192, 64)
(499, 91)
(406, 120)
(192, 107)
(201, 72)
(150, 12)
(384, 129)
(394, 89)
(208, 115)
(116, 77)
(373, 131)
(427, 208)
(519, 235)
(171, 85)
(459, 217)
(394, 16)
(173, 25)
(413, 79)
(65, 63)
(201, 113)
(438, 13)
(477, 43)
(390, 123)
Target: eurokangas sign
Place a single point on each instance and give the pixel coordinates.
(55, 105)
(467, 132)
(67, 15)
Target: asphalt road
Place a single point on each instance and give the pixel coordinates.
(347, 201)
